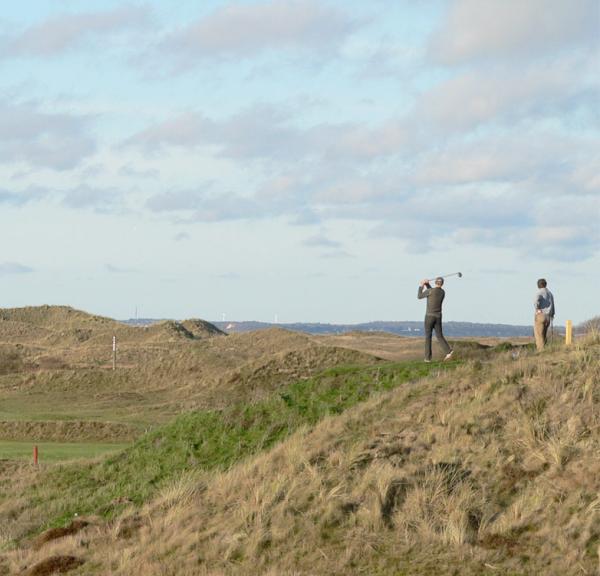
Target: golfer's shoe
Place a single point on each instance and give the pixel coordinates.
(449, 355)
(428, 361)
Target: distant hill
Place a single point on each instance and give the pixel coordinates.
(52, 317)
(403, 328)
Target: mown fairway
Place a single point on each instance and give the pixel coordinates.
(50, 452)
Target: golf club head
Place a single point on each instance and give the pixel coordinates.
(459, 274)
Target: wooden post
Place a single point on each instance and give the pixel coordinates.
(114, 352)
(35, 455)
(568, 333)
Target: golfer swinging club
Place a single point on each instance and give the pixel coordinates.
(433, 316)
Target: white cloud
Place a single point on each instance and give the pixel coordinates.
(177, 200)
(360, 141)
(204, 206)
(477, 160)
(256, 132)
(12, 268)
(560, 163)
(57, 35)
(350, 189)
(327, 248)
(130, 171)
(187, 130)
(239, 30)
(100, 200)
(119, 269)
(445, 209)
(336, 254)
(507, 95)
(483, 190)
(479, 29)
(321, 241)
(22, 197)
(586, 175)
(567, 243)
(181, 237)
(526, 217)
(81, 197)
(37, 138)
(264, 131)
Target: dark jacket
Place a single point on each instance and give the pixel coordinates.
(435, 297)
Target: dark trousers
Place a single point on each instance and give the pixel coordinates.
(434, 323)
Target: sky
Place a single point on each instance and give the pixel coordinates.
(300, 160)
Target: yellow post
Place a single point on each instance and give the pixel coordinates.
(568, 333)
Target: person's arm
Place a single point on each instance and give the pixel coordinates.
(424, 289)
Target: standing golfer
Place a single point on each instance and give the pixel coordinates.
(544, 313)
(433, 316)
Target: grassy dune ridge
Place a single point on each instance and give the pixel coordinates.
(204, 440)
(491, 468)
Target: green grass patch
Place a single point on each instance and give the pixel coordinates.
(56, 451)
(209, 440)
(85, 394)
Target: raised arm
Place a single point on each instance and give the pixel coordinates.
(424, 289)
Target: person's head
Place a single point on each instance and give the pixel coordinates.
(439, 281)
(542, 283)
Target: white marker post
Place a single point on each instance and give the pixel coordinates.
(114, 352)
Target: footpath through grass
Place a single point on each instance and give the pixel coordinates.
(210, 440)
(56, 451)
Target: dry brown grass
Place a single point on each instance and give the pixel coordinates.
(492, 469)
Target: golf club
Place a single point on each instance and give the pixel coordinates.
(459, 274)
